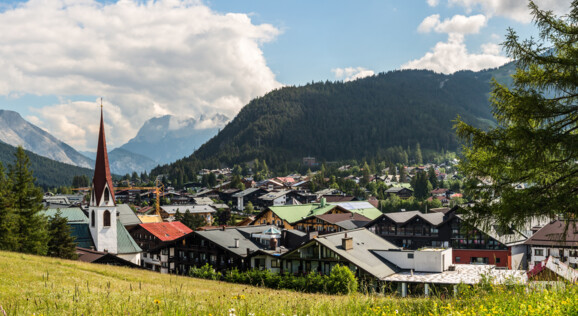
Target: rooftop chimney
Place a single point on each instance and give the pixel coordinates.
(236, 242)
(347, 242)
(273, 243)
(323, 202)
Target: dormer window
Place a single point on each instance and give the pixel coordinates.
(106, 219)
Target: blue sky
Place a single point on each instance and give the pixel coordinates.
(188, 57)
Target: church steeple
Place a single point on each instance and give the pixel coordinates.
(103, 191)
(102, 208)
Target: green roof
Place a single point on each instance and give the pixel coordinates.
(360, 207)
(294, 213)
(82, 236)
(124, 241)
(73, 214)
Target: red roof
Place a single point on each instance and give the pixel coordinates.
(167, 231)
(101, 168)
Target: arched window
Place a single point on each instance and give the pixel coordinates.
(106, 219)
(106, 195)
(92, 219)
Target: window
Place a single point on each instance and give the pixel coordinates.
(106, 195)
(539, 252)
(165, 251)
(106, 218)
(497, 260)
(458, 259)
(92, 219)
(275, 263)
(410, 255)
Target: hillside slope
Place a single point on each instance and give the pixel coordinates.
(49, 173)
(363, 118)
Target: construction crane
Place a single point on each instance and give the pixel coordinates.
(158, 190)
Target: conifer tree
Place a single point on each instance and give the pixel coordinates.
(8, 218)
(61, 243)
(33, 237)
(535, 142)
(418, 156)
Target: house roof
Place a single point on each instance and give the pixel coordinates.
(361, 207)
(126, 215)
(294, 213)
(338, 198)
(246, 192)
(273, 195)
(203, 201)
(364, 242)
(336, 218)
(463, 273)
(225, 238)
(556, 266)
(402, 217)
(124, 241)
(102, 176)
(72, 215)
(93, 256)
(192, 208)
(557, 233)
(167, 231)
(396, 189)
(150, 218)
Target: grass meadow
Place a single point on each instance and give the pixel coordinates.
(32, 285)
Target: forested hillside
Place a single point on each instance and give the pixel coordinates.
(48, 173)
(378, 117)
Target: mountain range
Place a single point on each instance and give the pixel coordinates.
(378, 117)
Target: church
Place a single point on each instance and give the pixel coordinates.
(108, 232)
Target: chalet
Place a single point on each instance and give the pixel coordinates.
(241, 198)
(203, 201)
(287, 216)
(227, 194)
(99, 257)
(229, 247)
(303, 197)
(482, 244)
(168, 212)
(364, 208)
(154, 239)
(401, 192)
(330, 223)
(270, 184)
(558, 239)
(273, 198)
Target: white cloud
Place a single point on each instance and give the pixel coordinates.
(457, 24)
(145, 58)
(433, 3)
(513, 9)
(351, 73)
(451, 56)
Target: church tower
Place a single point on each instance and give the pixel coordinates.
(102, 211)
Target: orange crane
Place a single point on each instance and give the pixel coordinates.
(158, 189)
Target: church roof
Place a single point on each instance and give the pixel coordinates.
(124, 241)
(101, 168)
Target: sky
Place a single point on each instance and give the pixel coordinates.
(202, 57)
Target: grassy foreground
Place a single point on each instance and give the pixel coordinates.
(31, 285)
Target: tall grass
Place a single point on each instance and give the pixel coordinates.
(31, 285)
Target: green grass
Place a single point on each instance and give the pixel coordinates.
(31, 285)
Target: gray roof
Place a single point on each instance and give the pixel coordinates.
(273, 195)
(364, 243)
(402, 217)
(172, 209)
(395, 189)
(126, 216)
(351, 224)
(245, 192)
(226, 238)
(203, 201)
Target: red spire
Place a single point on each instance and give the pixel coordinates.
(102, 175)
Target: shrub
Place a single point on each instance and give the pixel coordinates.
(342, 281)
(205, 272)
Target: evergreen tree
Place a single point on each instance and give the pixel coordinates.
(9, 224)
(249, 208)
(534, 142)
(61, 243)
(402, 174)
(419, 183)
(223, 216)
(418, 156)
(27, 205)
(432, 177)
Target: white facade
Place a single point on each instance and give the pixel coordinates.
(102, 222)
(428, 260)
(565, 255)
(132, 257)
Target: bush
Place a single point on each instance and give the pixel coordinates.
(205, 272)
(342, 281)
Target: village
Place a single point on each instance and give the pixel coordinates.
(286, 229)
